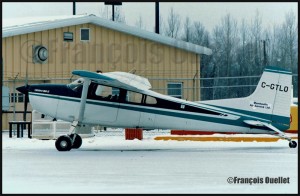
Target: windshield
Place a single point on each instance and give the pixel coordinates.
(76, 85)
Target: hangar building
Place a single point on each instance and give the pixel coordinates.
(48, 49)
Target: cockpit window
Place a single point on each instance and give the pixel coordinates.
(76, 85)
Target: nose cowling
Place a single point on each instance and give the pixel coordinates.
(23, 89)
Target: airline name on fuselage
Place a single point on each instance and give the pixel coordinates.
(41, 91)
(275, 87)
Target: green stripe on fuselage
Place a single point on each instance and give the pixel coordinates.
(174, 113)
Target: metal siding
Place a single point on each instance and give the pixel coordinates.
(198, 64)
(9, 57)
(45, 66)
(22, 53)
(71, 55)
(58, 66)
(37, 67)
(51, 53)
(86, 50)
(31, 66)
(92, 49)
(16, 56)
(63, 59)
(115, 51)
(105, 65)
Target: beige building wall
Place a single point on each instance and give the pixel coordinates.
(107, 50)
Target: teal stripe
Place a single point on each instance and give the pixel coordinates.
(155, 111)
(173, 113)
(277, 70)
(278, 118)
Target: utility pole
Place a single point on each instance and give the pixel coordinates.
(265, 53)
(74, 8)
(157, 17)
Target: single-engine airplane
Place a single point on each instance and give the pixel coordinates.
(124, 100)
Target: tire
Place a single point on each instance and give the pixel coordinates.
(293, 144)
(77, 142)
(63, 143)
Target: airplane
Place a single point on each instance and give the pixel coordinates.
(124, 100)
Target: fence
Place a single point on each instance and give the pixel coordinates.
(220, 87)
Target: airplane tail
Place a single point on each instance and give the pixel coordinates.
(273, 93)
(271, 100)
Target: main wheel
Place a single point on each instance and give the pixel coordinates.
(77, 142)
(63, 143)
(293, 144)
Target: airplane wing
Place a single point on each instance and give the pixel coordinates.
(116, 79)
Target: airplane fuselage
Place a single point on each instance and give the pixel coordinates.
(62, 102)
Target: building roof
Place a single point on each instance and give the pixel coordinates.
(13, 27)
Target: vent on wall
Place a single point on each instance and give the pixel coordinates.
(39, 54)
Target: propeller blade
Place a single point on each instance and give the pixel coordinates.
(24, 90)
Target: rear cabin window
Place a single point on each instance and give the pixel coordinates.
(133, 97)
(150, 100)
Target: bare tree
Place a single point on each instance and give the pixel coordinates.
(139, 23)
(225, 42)
(107, 14)
(173, 24)
(256, 29)
(290, 31)
(187, 30)
(199, 33)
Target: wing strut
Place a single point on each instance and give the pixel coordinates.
(73, 140)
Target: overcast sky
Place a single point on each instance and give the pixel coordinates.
(209, 14)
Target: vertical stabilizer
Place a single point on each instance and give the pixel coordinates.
(273, 93)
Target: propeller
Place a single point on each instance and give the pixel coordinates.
(26, 102)
(24, 90)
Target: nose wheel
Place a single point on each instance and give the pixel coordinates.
(67, 142)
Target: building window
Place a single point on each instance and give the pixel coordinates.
(84, 34)
(16, 98)
(68, 36)
(175, 89)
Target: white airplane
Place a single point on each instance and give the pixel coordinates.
(119, 99)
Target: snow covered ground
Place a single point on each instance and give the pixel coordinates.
(111, 164)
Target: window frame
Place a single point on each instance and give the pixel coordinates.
(181, 90)
(81, 34)
(68, 40)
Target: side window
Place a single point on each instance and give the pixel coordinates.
(150, 100)
(134, 97)
(107, 93)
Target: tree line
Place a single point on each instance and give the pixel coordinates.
(239, 50)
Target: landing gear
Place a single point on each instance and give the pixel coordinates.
(77, 141)
(63, 143)
(293, 144)
(73, 140)
(67, 142)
